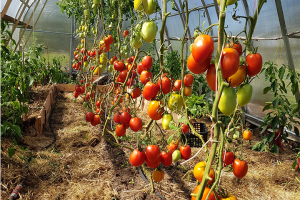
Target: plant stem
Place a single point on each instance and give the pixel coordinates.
(253, 24)
(149, 175)
(162, 30)
(119, 28)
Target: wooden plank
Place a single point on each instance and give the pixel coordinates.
(5, 8)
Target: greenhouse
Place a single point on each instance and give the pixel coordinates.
(150, 99)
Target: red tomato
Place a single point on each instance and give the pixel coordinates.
(125, 33)
(147, 62)
(227, 158)
(237, 78)
(188, 80)
(96, 120)
(76, 94)
(155, 111)
(185, 128)
(78, 89)
(177, 85)
(82, 89)
(137, 158)
(202, 48)
(123, 75)
(136, 92)
(230, 62)
(109, 39)
(136, 124)
(146, 76)
(129, 82)
(117, 118)
(165, 84)
(98, 103)
(166, 158)
(152, 164)
(150, 91)
(185, 152)
(254, 62)
(197, 68)
(172, 147)
(240, 168)
(120, 130)
(125, 118)
(119, 66)
(89, 116)
(152, 152)
(211, 77)
(237, 46)
(140, 68)
(133, 74)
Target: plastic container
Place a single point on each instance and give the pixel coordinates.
(192, 140)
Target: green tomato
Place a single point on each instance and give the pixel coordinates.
(86, 13)
(96, 1)
(227, 101)
(196, 33)
(175, 102)
(136, 40)
(86, 63)
(229, 2)
(151, 6)
(244, 94)
(191, 47)
(149, 30)
(176, 155)
(166, 119)
(235, 136)
(110, 68)
(126, 54)
(85, 104)
(141, 5)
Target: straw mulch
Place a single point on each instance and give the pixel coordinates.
(80, 164)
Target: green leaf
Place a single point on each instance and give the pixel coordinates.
(275, 149)
(281, 72)
(271, 137)
(275, 122)
(182, 120)
(172, 127)
(266, 90)
(31, 80)
(11, 151)
(170, 139)
(257, 146)
(267, 107)
(17, 130)
(3, 129)
(25, 109)
(263, 147)
(275, 103)
(274, 86)
(296, 130)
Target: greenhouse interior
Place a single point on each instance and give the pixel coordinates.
(150, 99)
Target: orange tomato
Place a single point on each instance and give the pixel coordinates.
(154, 110)
(247, 134)
(205, 193)
(187, 91)
(158, 175)
(199, 171)
(237, 78)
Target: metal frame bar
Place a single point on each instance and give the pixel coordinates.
(216, 7)
(183, 21)
(35, 23)
(3, 12)
(20, 38)
(286, 41)
(197, 8)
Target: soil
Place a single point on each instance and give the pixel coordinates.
(80, 164)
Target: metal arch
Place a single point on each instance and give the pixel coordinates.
(35, 23)
(286, 41)
(184, 17)
(208, 16)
